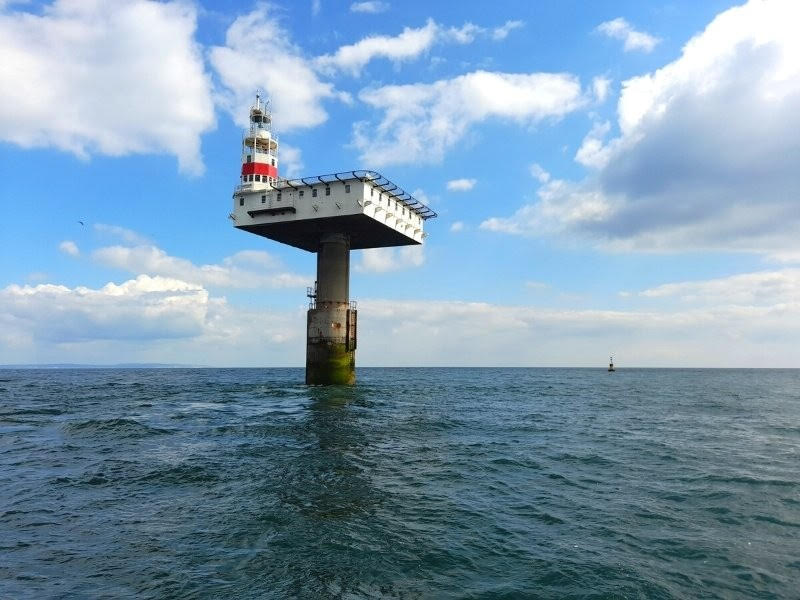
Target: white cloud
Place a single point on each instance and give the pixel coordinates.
(461, 185)
(501, 33)
(441, 333)
(706, 154)
(423, 121)
(465, 34)
(245, 269)
(316, 7)
(384, 260)
(538, 173)
(126, 235)
(258, 53)
(755, 289)
(562, 205)
(620, 29)
(593, 152)
(372, 7)
(291, 164)
(457, 226)
(406, 46)
(600, 87)
(744, 320)
(146, 319)
(105, 78)
(788, 257)
(142, 308)
(69, 247)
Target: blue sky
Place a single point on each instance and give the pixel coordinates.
(610, 178)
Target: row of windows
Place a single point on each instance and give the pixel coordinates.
(249, 159)
(271, 181)
(389, 203)
(301, 194)
(327, 191)
(264, 198)
(264, 178)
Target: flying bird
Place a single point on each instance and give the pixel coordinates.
(82, 223)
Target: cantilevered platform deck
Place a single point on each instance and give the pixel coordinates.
(373, 211)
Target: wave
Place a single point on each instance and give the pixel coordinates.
(120, 427)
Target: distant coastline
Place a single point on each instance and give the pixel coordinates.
(461, 367)
(92, 366)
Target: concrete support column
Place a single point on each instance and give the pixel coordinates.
(333, 269)
(331, 342)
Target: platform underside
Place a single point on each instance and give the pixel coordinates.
(364, 232)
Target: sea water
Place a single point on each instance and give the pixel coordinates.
(415, 483)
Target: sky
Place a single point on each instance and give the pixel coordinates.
(611, 178)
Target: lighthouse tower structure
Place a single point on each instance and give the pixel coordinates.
(259, 150)
(329, 215)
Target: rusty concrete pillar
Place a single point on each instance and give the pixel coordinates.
(331, 341)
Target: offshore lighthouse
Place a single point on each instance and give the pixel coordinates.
(329, 215)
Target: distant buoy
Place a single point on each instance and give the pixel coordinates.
(611, 364)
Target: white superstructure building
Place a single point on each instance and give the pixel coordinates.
(371, 209)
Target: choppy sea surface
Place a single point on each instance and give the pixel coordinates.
(415, 483)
